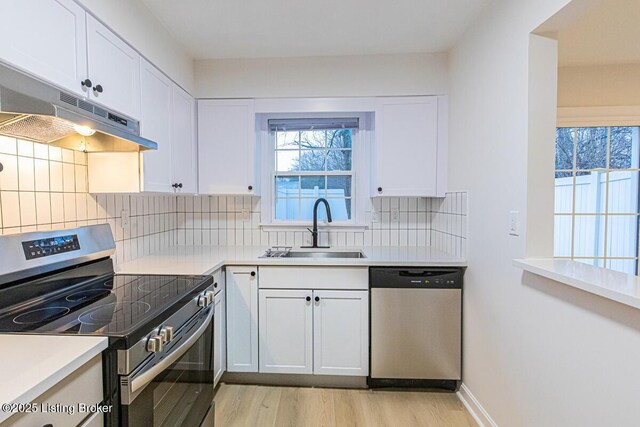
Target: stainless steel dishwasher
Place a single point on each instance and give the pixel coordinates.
(416, 327)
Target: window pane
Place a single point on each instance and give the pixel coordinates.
(623, 140)
(589, 236)
(591, 192)
(313, 160)
(562, 236)
(287, 139)
(288, 209)
(628, 266)
(591, 148)
(340, 138)
(339, 186)
(564, 148)
(622, 236)
(340, 209)
(339, 160)
(287, 161)
(313, 186)
(564, 193)
(313, 139)
(287, 187)
(623, 192)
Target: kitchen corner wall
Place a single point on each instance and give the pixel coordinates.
(218, 220)
(45, 188)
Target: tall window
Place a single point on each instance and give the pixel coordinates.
(596, 196)
(313, 159)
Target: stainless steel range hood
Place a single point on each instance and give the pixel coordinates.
(36, 111)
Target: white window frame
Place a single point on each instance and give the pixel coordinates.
(605, 117)
(360, 172)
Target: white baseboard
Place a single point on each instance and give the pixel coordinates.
(474, 407)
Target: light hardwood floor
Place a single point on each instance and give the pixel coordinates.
(249, 405)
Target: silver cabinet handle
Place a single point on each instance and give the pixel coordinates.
(146, 377)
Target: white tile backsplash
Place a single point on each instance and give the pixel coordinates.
(217, 220)
(45, 188)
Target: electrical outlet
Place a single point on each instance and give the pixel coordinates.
(124, 218)
(246, 216)
(395, 215)
(514, 223)
(375, 217)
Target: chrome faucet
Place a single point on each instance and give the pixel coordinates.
(314, 232)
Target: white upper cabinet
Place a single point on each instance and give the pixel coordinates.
(46, 38)
(410, 150)
(226, 146)
(183, 136)
(114, 70)
(155, 125)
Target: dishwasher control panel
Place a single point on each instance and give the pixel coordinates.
(435, 278)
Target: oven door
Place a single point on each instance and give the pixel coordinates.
(175, 389)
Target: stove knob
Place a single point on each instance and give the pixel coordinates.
(209, 295)
(154, 344)
(202, 301)
(167, 334)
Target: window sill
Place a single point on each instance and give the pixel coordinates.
(613, 285)
(321, 227)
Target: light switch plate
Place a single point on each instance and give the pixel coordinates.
(246, 216)
(374, 216)
(124, 218)
(514, 223)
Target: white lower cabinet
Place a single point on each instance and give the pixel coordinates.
(84, 385)
(219, 337)
(242, 319)
(314, 332)
(286, 331)
(341, 333)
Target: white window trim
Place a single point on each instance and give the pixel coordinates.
(360, 173)
(605, 117)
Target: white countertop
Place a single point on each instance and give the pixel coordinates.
(610, 284)
(32, 364)
(206, 259)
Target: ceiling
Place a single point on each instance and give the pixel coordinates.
(211, 29)
(608, 34)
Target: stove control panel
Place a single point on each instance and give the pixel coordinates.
(50, 246)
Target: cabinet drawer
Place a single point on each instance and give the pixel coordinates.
(82, 386)
(314, 278)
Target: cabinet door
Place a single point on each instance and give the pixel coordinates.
(46, 38)
(183, 140)
(115, 67)
(286, 331)
(341, 333)
(242, 319)
(156, 126)
(406, 147)
(226, 140)
(219, 338)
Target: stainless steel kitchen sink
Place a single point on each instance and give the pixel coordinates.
(312, 254)
(325, 254)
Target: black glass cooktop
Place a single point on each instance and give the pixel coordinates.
(108, 305)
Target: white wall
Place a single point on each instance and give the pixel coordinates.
(365, 75)
(135, 23)
(599, 85)
(536, 352)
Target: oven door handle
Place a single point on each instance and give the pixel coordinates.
(146, 377)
